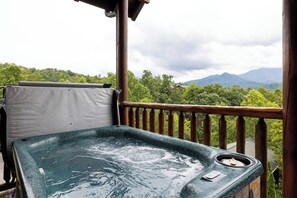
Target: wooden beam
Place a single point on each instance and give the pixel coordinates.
(289, 98)
(255, 112)
(122, 56)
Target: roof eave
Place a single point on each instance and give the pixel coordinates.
(135, 6)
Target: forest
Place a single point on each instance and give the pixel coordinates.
(162, 89)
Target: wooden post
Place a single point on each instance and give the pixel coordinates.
(131, 117)
(240, 135)
(261, 152)
(223, 132)
(170, 124)
(144, 119)
(181, 125)
(194, 128)
(289, 98)
(137, 118)
(152, 120)
(161, 122)
(122, 56)
(206, 130)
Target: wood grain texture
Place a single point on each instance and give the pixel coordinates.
(240, 135)
(122, 56)
(289, 98)
(131, 117)
(255, 112)
(161, 122)
(261, 152)
(144, 119)
(152, 121)
(206, 130)
(170, 123)
(222, 132)
(194, 135)
(181, 125)
(137, 118)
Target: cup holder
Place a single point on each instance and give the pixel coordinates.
(233, 160)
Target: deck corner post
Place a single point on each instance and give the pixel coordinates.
(289, 98)
(122, 56)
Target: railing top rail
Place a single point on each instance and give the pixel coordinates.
(256, 112)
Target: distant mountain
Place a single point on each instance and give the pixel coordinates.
(252, 79)
(264, 75)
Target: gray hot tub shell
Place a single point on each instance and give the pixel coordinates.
(215, 180)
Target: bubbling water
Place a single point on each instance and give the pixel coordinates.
(115, 167)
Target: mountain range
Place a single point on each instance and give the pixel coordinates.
(270, 78)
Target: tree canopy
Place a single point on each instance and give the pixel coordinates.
(162, 89)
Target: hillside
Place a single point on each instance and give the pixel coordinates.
(270, 78)
(264, 75)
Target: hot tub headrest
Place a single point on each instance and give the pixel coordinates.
(37, 110)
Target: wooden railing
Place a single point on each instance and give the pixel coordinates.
(138, 113)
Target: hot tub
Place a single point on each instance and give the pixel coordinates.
(120, 161)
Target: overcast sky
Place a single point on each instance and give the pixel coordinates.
(190, 41)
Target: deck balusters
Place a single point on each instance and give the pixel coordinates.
(144, 119)
(181, 125)
(261, 152)
(170, 124)
(137, 114)
(131, 117)
(240, 135)
(194, 128)
(152, 121)
(161, 122)
(206, 130)
(222, 132)
(241, 112)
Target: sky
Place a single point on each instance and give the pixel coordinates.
(190, 41)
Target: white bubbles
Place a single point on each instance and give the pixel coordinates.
(117, 167)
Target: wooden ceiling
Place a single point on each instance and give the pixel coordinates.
(134, 7)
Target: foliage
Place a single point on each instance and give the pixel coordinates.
(9, 74)
(214, 95)
(137, 92)
(270, 182)
(257, 99)
(162, 89)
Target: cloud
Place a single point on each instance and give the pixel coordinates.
(208, 35)
(169, 36)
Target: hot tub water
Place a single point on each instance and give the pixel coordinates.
(114, 167)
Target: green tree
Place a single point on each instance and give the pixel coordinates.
(166, 88)
(10, 74)
(234, 95)
(213, 95)
(272, 95)
(257, 99)
(137, 92)
(152, 83)
(189, 95)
